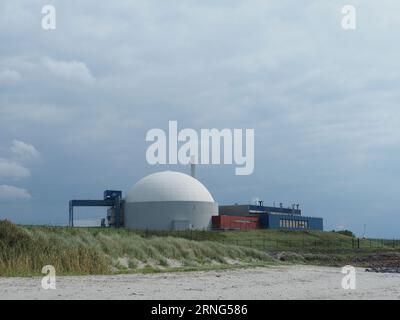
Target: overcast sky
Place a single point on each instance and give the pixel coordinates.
(76, 102)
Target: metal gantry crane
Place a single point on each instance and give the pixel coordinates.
(112, 198)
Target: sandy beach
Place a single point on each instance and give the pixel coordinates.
(283, 282)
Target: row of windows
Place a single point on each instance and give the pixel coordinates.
(294, 224)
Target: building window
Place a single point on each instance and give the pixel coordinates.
(293, 224)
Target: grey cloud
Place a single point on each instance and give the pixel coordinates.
(12, 193)
(8, 76)
(74, 71)
(24, 151)
(12, 170)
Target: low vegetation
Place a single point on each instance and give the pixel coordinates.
(283, 240)
(345, 232)
(24, 250)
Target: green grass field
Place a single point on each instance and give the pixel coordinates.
(267, 239)
(24, 250)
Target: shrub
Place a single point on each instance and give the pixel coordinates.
(345, 233)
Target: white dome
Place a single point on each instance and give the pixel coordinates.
(168, 186)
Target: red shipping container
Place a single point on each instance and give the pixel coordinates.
(235, 222)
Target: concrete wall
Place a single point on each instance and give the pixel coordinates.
(164, 215)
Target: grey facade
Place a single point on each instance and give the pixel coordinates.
(169, 215)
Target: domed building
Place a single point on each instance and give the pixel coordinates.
(169, 200)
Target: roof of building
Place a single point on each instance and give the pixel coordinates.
(168, 186)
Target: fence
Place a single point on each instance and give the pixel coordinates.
(307, 244)
(265, 243)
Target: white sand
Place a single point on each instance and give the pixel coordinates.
(284, 282)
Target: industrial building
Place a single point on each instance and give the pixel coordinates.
(172, 200)
(270, 217)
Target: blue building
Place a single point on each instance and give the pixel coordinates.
(275, 217)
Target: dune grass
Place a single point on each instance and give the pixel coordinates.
(25, 250)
